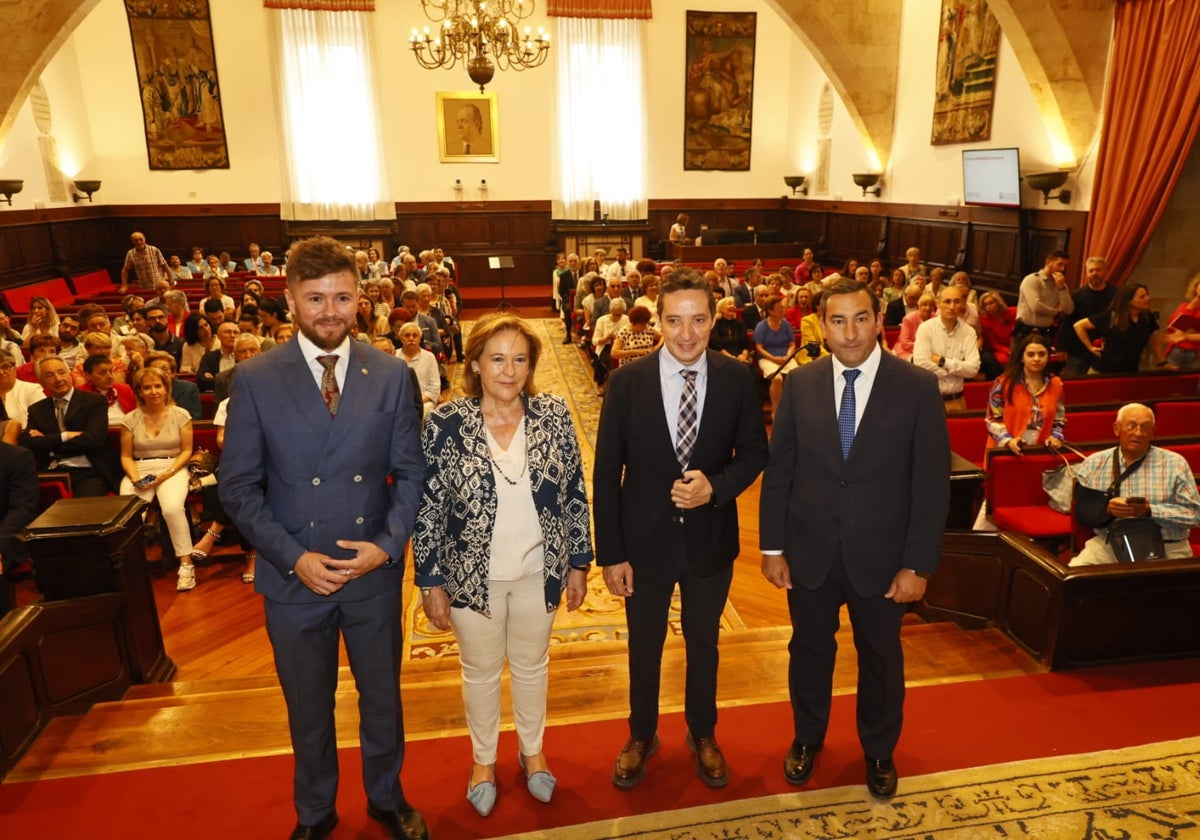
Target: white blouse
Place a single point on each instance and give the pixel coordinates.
(517, 549)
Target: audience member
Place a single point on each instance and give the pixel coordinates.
(18, 504)
(145, 261)
(996, 320)
(98, 373)
(1090, 299)
(913, 265)
(160, 336)
(198, 339)
(1026, 406)
(421, 362)
(176, 270)
(1043, 297)
(219, 359)
(728, 334)
(268, 267)
(606, 328)
(1153, 482)
(775, 344)
(754, 312)
(255, 261)
(197, 264)
(42, 320)
(183, 393)
(948, 348)
(40, 346)
(68, 339)
(245, 346)
(1126, 327)
(1183, 330)
(903, 306)
(927, 307)
(98, 344)
(18, 394)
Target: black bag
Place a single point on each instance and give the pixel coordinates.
(1091, 506)
(1136, 540)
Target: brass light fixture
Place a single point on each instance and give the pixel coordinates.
(1047, 182)
(796, 182)
(867, 180)
(482, 35)
(10, 188)
(86, 188)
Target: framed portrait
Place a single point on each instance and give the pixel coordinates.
(468, 128)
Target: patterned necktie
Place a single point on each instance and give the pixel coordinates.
(329, 386)
(60, 410)
(685, 431)
(111, 395)
(846, 412)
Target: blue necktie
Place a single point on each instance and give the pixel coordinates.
(846, 412)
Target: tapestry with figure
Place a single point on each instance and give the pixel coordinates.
(177, 76)
(965, 84)
(718, 90)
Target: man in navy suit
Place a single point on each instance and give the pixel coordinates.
(315, 431)
(681, 436)
(852, 510)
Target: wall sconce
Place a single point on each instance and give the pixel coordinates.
(796, 182)
(86, 188)
(1045, 182)
(10, 188)
(867, 180)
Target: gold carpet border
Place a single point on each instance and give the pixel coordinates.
(1146, 791)
(561, 371)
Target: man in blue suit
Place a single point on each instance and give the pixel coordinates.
(315, 431)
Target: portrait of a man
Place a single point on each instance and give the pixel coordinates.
(467, 128)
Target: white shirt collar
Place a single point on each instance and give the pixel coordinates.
(310, 351)
(869, 367)
(668, 365)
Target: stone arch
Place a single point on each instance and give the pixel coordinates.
(33, 32)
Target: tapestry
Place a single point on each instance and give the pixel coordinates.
(965, 82)
(718, 90)
(177, 76)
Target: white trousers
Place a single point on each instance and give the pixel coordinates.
(1097, 551)
(518, 630)
(172, 494)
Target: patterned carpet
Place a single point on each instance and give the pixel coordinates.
(1139, 792)
(562, 370)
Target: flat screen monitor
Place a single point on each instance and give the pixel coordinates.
(992, 177)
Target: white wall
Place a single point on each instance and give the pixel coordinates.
(98, 119)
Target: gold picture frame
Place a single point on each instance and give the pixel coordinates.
(468, 127)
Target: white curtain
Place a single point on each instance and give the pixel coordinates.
(601, 119)
(333, 160)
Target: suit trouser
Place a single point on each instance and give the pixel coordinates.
(813, 649)
(518, 630)
(305, 641)
(702, 599)
(87, 481)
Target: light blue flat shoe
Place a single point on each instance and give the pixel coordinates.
(482, 797)
(540, 784)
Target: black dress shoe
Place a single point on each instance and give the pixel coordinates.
(315, 832)
(881, 777)
(402, 824)
(798, 766)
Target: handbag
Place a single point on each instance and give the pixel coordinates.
(1059, 483)
(1136, 540)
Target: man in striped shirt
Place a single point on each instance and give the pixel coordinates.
(1162, 488)
(145, 261)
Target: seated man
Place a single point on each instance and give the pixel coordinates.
(245, 346)
(906, 304)
(18, 503)
(219, 360)
(68, 431)
(98, 373)
(40, 346)
(1162, 488)
(422, 362)
(185, 394)
(161, 335)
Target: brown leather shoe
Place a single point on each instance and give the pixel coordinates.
(798, 766)
(710, 763)
(631, 763)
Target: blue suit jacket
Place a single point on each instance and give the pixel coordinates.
(294, 479)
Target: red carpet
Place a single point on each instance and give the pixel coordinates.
(947, 727)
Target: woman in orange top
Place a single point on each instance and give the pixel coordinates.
(1025, 406)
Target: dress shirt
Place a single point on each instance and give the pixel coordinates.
(671, 379)
(1040, 298)
(957, 347)
(1165, 481)
(310, 352)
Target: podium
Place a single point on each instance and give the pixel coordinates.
(83, 547)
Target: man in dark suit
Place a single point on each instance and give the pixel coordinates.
(757, 311)
(18, 504)
(852, 510)
(245, 346)
(78, 443)
(681, 436)
(219, 360)
(310, 491)
(903, 305)
(568, 282)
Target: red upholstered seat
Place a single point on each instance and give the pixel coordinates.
(1035, 521)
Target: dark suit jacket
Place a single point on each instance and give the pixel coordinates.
(886, 504)
(635, 520)
(206, 371)
(187, 396)
(894, 313)
(751, 315)
(222, 385)
(87, 413)
(18, 500)
(567, 284)
(326, 478)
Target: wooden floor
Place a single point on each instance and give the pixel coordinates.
(226, 700)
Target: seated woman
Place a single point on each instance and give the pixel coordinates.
(649, 298)
(249, 298)
(501, 531)
(801, 307)
(728, 334)
(214, 289)
(926, 309)
(197, 265)
(636, 339)
(176, 303)
(812, 335)
(1126, 327)
(1183, 330)
(591, 287)
(369, 324)
(98, 344)
(213, 268)
(604, 333)
(775, 342)
(124, 324)
(996, 321)
(156, 443)
(378, 267)
(198, 339)
(43, 320)
(1026, 407)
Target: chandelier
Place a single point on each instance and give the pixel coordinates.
(482, 35)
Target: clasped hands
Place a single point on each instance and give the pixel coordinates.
(324, 575)
(1125, 508)
(436, 602)
(907, 586)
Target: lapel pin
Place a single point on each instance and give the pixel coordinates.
(364, 371)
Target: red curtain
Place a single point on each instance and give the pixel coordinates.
(610, 9)
(1151, 119)
(322, 5)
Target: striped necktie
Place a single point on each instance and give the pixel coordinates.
(687, 427)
